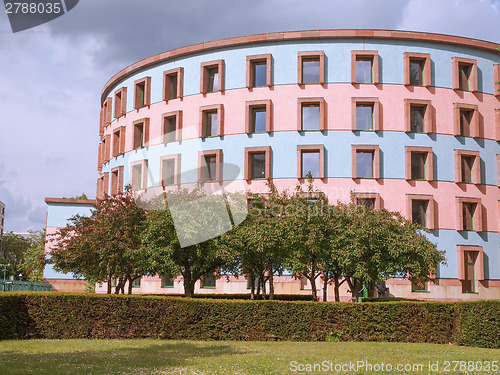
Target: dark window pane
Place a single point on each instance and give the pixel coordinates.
(467, 163)
(468, 215)
(417, 115)
(367, 202)
(210, 168)
(418, 165)
(469, 274)
(419, 212)
(168, 172)
(208, 282)
(310, 164)
(173, 86)
(213, 80)
(169, 129)
(139, 95)
(138, 136)
(364, 164)
(464, 76)
(310, 117)
(364, 117)
(465, 122)
(259, 74)
(416, 70)
(258, 120)
(168, 281)
(310, 71)
(257, 165)
(364, 68)
(211, 124)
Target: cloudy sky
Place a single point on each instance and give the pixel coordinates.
(51, 76)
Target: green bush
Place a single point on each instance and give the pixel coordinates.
(277, 297)
(60, 315)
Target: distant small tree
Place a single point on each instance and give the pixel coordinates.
(13, 247)
(34, 261)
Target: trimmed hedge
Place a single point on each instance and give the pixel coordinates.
(59, 315)
(277, 297)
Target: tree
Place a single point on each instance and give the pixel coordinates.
(33, 261)
(195, 220)
(13, 246)
(105, 245)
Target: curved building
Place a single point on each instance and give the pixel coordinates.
(405, 121)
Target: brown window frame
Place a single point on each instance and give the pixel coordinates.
(498, 172)
(426, 71)
(496, 80)
(429, 162)
(251, 60)
(473, 78)
(431, 208)
(375, 149)
(478, 266)
(146, 99)
(120, 99)
(377, 112)
(119, 149)
(106, 115)
(178, 125)
(250, 106)
(219, 108)
(267, 154)
(311, 148)
(144, 174)
(476, 168)
(477, 218)
(321, 103)
(202, 165)
(103, 185)
(355, 195)
(311, 55)
(106, 149)
(177, 169)
(375, 66)
(167, 76)
(116, 182)
(474, 123)
(145, 129)
(428, 116)
(497, 124)
(205, 66)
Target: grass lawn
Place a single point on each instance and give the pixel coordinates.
(229, 357)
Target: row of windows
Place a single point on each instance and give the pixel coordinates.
(311, 70)
(311, 116)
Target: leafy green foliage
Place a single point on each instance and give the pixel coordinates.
(58, 315)
(33, 261)
(13, 247)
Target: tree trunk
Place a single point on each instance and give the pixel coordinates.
(271, 286)
(336, 287)
(130, 284)
(355, 285)
(314, 291)
(109, 290)
(263, 285)
(325, 287)
(252, 286)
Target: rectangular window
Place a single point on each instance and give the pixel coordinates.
(259, 70)
(142, 92)
(210, 166)
(310, 159)
(464, 74)
(138, 175)
(168, 176)
(169, 129)
(120, 102)
(138, 136)
(257, 165)
(310, 164)
(468, 209)
(465, 122)
(367, 202)
(258, 116)
(419, 284)
(496, 79)
(211, 121)
(258, 119)
(417, 69)
(364, 116)
(119, 141)
(365, 161)
(418, 165)
(311, 114)
(172, 84)
(167, 281)
(208, 282)
(467, 167)
(311, 68)
(417, 116)
(419, 212)
(136, 283)
(212, 76)
(116, 180)
(364, 67)
(468, 284)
